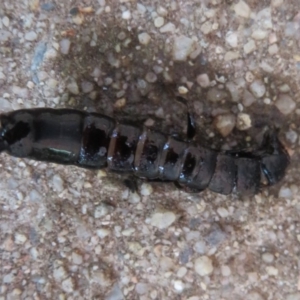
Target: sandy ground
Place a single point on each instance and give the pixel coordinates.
(69, 233)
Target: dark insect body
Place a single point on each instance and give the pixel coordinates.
(95, 141)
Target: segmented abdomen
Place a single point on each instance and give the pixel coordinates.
(92, 140)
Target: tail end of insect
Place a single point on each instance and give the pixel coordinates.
(274, 158)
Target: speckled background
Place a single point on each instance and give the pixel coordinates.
(69, 233)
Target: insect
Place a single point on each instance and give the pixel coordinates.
(95, 141)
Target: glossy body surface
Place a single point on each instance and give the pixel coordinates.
(90, 140)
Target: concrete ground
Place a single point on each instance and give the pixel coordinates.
(70, 233)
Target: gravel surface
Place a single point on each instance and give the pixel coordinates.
(69, 233)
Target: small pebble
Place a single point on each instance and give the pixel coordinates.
(141, 288)
(20, 238)
(181, 272)
(249, 76)
(273, 49)
(243, 121)
(249, 47)
(30, 36)
(225, 123)
(151, 77)
(48, 6)
(182, 47)
(58, 183)
(126, 15)
(276, 3)
(225, 270)
(272, 271)
(268, 257)
(203, 266)
(257, 88)
(231, 55)
(169, 27)
(162, 11)
(285, 193)
(242, 9)
(291, 136)
(87, 87)
(68, 285)
(76, 258)
(5, 21)
(144, 38)
(232, 39)
(285, 104)
(146, 189)
(178, 286)
(102, 233)
(120, 103)
(65, 46)
(203, 80)
(159, 21)
(259, 34)
(73, 88)
(223, 212)
(182, 90)
(216, 95)
(163, 220)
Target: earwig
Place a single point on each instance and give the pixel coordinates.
(95, 141)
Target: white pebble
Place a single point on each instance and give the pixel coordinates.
(146, 189)
(243, 121)
(225, 270)
(126, 15)
(76, 258)
(273, 49)
(178, 286)
(58, 183)
(144, 38)
(162, 11)
(159, 21)
(225, 123)
(257, 88)
(182, 90)
(249, 47)
(182, 47)
(285, 104)
(64, 45)
(231, 55)
(100, 211)
(276, 3)
(203, 80)
(272, 271)
(163, 220)
(203, 266)
(5, 21)
(223, 212)
(20, 238)
(268, 257)
(30, 36)
(285, 193)
(68, 285)
(242, 9)
(231, 39)
(141, 288)
(259, 34)
(291, 136)
(102, 233)
(169, 27)
(73, 88)
(181, 272)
